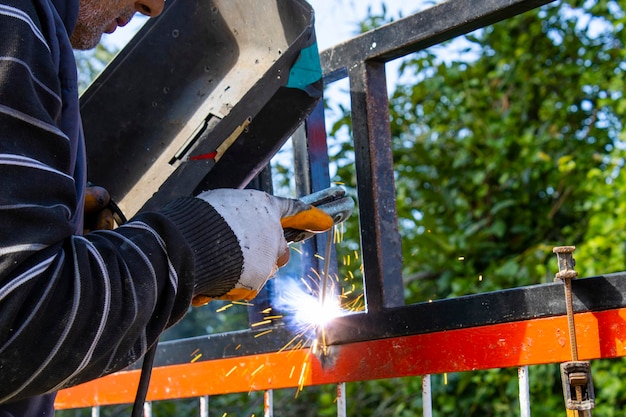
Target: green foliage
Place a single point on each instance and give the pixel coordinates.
(498, 158)
(90, 63)
(209, 319)
(399, 397)
(501, 154)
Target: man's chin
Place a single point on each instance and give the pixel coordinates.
(84, 42)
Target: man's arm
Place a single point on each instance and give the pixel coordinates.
(75, 307)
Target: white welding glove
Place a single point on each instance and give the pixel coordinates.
(255, 219)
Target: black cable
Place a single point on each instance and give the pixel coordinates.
(148, 359)
(118, 215)
(144, 381)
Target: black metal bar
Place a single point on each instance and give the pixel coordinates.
(381, 243)
(311, 168)
(434, 25)
(301, 171)
(223, 345)
(523, 303)
(317, 148)
(545, 300)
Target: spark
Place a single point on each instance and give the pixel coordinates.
(300, 343)
(317, 274)
(338, 233)
(231, 371)
(257, 370)
(261, 323)
(314, 346)
(301, 380)
(296, 337)
(243, 303)
(263, 333)
(224, 308)
(309, 304)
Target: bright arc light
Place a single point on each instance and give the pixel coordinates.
(311, 310)
(303, 309)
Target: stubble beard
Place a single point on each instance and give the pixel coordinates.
(93, 16)
(84, 37)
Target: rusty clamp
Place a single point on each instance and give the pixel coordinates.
(578, 391)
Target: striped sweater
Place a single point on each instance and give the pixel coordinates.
(72, 307)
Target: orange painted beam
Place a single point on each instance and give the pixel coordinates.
(600, 335)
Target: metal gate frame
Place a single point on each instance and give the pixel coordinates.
(515, 327)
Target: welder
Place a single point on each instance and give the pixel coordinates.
(75, 306)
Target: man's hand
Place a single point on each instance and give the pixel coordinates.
(255, 218)
(98, 215)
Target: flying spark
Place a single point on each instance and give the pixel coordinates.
(311, 303)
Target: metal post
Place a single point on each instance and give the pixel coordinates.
(524, 391)
(95, 411)
(381, 241)
(427, 397)
(310, 159)
(341, 399)
(268, 403)
(204, 406)
(147, 409)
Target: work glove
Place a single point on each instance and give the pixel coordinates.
(257, 220)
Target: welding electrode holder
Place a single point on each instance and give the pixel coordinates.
(333, 201)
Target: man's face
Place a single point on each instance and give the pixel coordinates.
(96, 17)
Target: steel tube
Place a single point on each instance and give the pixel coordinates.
(427, 397)
(204, 406)
(524, 391)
